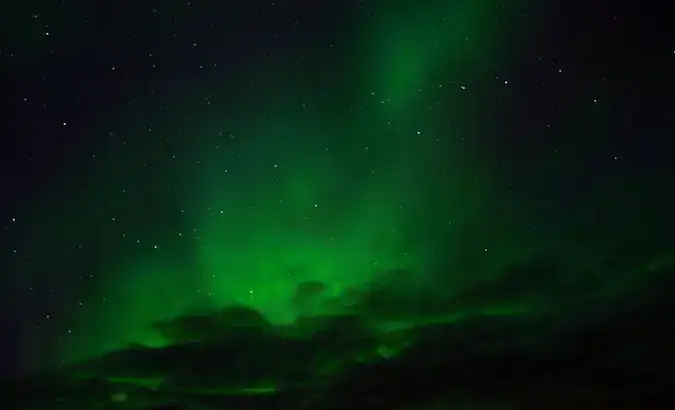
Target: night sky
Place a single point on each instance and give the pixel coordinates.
(162, 158)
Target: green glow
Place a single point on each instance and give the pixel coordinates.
(338, 226)
(440, 44)
(354, 189)
(347, 206)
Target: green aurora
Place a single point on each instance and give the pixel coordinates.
(310, 193)
(336, 169)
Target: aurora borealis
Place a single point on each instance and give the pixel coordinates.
(408, 161)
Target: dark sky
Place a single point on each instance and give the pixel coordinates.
(164, 157)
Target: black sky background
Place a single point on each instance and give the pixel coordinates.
(620, 53)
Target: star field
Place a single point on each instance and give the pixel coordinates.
(161, 159)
